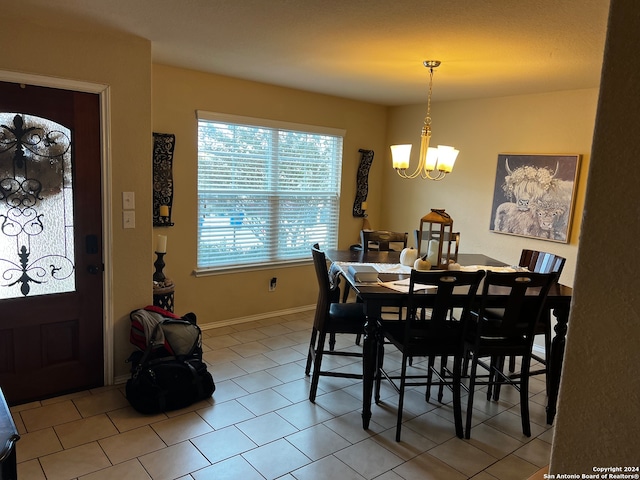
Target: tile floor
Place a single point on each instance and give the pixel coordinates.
(259, 424)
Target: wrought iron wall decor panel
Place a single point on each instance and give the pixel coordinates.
(163, 146)
(36, 207)
(362, 182)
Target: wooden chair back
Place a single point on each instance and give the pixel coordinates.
(541, 262)
(381, 239)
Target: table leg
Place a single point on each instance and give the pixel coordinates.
(369, 348)
(556, 357)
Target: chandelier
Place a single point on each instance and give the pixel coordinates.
(434, 162)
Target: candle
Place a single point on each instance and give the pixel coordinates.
(161, 244)
(164, 210)
(432, 252)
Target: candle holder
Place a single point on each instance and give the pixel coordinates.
(158, 275)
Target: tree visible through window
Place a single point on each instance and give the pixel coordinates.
(267, 191)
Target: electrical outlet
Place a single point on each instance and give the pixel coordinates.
(272, 284)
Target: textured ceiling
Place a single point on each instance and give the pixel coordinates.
(369, 50)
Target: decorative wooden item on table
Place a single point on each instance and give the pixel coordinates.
(438, 226)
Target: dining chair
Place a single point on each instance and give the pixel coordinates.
(540, 262)
(511, 332)
(433, 336)
(381, 240)
(331, 317)
(454, 238)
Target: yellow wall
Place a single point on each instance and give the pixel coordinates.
(177, 94)
(560, 122)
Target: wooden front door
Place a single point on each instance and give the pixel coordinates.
(51, 259)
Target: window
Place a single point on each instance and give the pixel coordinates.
(267, 191)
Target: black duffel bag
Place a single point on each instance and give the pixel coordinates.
(163, 383)
(168, 383)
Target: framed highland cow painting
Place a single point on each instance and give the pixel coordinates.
(534, 195)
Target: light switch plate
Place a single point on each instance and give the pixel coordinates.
(128, 200)
(128, 219)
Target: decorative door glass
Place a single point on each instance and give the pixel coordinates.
(36, 207)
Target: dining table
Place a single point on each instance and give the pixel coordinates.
(375, 296)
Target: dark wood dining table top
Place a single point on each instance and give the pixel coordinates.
(558, 292)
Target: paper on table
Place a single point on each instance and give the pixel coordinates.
(403, 286)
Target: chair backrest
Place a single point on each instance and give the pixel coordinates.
(520, 298)
(327, 293)
(454, 238)
(382, 238)
(439, 323)
(541, 262)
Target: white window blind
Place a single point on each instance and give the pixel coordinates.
(267, 191)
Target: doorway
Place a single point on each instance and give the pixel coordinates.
(51, 252)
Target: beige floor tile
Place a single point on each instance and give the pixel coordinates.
(86, 430)
(411, 444)
(128, 419)
(536, 451)
(220, 341)
(286, 355)
(349, 426)
(101, 402)
(276, 459)
(221, 355)
(223, 444)
(428, 467)
(177, 429)
(30, 470)
(279, 341)
(254, 382)
(249, 335)
(131, 444)
(493, 441)
(266, 428)
(317, 442)
(263, 402)
(174, 461)
(463, 456)
(74, 462)
(222, 415)
(131, 470)
(232, 469)
(37, 444)
(304, 414)
(369, 458)
(250, 349)
(512, 468)
(255, 363)
(511, 424)
(329, 467)
(49, 415)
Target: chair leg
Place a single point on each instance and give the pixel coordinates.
(524, 396)
(403, 374)
(312, 346)
(443, 371)
(498, 378)
(332, 341)
(457, 401)
(317, 364)
(472, 385)
(430, 365)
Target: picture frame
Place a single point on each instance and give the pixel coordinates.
(534, 195)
